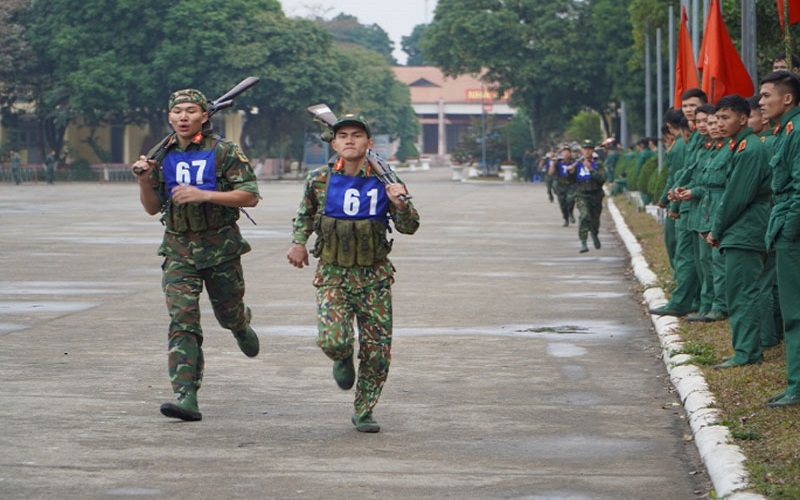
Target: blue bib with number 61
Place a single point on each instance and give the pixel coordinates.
(350, 197)
(190, 168)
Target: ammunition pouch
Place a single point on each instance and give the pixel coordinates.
(346, 243)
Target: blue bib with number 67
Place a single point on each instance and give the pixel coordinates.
(190, 168)
(352, 197)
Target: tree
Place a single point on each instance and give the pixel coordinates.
(377, 94)
(584, 126)
(411, 46)
(533, 48)
(346, 30)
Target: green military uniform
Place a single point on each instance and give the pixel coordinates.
(611, 163)
(202, 245)
(50, 167)
(675, 157)
(697, 224)
(685, 296)
(16, 168)
(564, 187)
(589, 178)
(739, 225)
(783, 234)
(773, 317)
(351, 284)
(644, 155)
(712, 180)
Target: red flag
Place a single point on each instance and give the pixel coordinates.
(794, 11)
(685, 67)
(723, 70)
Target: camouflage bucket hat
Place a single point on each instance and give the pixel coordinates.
(188, 95)
(352, 120)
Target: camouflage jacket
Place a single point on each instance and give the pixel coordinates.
(216, 245)
(314, 197)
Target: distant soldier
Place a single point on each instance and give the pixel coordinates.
(779, 63)
(50, 166)
(563, 173)
(16, 166)
(589, 179)
(544, 167)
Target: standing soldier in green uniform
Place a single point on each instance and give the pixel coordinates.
(674, 158)
(772, 322)
(563, 171)
(589, 179)
(544, 167)
(50, 166)
(16, 166)
(691, 193)
(780, 93)
(685, 296)
(738, 229)
(349, 209)
(713, 180)
(198, 181)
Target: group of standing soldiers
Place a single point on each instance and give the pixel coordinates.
(578, 181)
(732, 198)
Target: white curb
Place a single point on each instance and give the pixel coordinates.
(724, 460)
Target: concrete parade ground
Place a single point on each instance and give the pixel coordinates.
(520, 367)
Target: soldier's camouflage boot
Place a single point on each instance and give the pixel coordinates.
(365, 423)
(248, 341)
(247, 338)
(186, 407)
(344, 372)
(584, 248)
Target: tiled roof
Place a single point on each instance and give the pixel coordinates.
(428, 84)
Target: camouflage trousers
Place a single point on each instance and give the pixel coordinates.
(590, 206)
(183, 285)
(371, 307)
(566, 198)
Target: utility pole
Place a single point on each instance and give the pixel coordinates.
(749, 39)
(648, 92)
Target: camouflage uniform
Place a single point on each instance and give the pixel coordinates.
(564, 187)
(360, 292)
(590, 176)
(202, 245)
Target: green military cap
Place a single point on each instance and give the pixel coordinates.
(188, 95)
(587, 143)
(354, 121)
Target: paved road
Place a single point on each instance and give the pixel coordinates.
(521, 368)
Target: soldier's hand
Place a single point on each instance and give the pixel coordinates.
(189, 194)
(142, 167)
(394, 191)
(297, 255)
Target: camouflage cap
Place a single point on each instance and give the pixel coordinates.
(188, 95)
(352, 120)
(587, 143)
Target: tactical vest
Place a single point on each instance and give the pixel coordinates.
(354, 239)
(196, 217)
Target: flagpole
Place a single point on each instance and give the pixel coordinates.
(787, 38)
